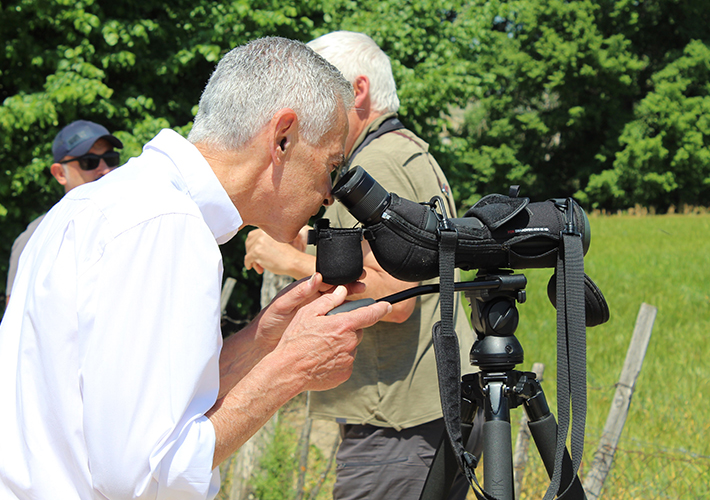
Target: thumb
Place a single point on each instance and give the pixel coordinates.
(298, 292)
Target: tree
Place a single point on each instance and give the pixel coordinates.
(605, 100)
(560, 84)
(665, 155)
(555, 93)
(135, 67)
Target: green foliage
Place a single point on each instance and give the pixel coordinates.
(278, 466)
(665, 158)
(605, 100)
(555, 93)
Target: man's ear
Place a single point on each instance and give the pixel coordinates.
(285, 135)
(57, 170)
(361, 86)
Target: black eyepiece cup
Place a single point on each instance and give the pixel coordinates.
(364, 198)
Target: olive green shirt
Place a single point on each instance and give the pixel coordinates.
(394, 381)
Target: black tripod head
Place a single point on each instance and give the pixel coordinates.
(494, 317)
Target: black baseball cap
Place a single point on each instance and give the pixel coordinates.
(77, 138)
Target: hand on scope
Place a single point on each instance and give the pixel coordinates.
(321, 349)
(243, 350)
(275, 318)
(291, 347)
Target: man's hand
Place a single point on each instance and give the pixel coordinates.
(273, 320)
(244, 349)
(289, 259)
(323, 347)
(313, 352)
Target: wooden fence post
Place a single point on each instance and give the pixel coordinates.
(604, 455)
(304, 446)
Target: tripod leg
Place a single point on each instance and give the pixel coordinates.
(497, 444)
(543, 429)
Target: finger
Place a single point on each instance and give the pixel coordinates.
(328, 301)
(364, 317)
(250, 263)
(298, 293)
(356, 288)
(359, 335)
(326, 288)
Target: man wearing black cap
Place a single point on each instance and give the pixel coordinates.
(83, 151)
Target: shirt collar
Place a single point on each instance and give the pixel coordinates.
(202, 185)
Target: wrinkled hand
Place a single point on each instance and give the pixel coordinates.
(273, 320)
(320, 349)
(263, 252)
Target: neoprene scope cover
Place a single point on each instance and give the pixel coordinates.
(529, 237)
(339, 255)
(498, 232)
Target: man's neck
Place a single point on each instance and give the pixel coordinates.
(358, 125)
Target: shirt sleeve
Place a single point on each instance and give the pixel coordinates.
(17, 247)
(149, 309)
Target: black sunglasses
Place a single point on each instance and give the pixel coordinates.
(91, 161)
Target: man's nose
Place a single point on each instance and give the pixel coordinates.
(103, 169)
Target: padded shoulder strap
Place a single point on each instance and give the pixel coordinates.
(387, 126)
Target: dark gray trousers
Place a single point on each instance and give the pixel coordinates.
(380, 463)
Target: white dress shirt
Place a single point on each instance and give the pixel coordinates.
(110, 345)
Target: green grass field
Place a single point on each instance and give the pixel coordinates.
(664, 261)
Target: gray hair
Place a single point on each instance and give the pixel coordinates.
(356, 54)
(254, 81)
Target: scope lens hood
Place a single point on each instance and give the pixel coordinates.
(364, 198)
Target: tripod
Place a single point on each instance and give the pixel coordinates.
(498, 388)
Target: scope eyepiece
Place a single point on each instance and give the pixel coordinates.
(364, 198)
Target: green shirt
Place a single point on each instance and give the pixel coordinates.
(394, 381)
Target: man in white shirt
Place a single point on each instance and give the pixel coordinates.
(114, 382)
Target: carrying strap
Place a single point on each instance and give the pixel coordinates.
(571, 352)
(571, 356)
(387, 126)
(448, 364)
